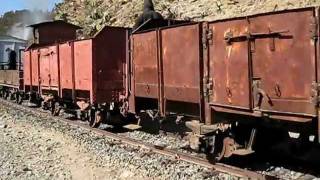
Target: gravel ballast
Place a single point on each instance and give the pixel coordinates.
(34, 147)
(41, 147)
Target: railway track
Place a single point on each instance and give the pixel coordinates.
(224, 168)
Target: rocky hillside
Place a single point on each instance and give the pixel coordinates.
(94, 14)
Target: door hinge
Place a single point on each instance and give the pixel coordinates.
(315, 92)
(207, 38)
(314, 28)
(207, 87)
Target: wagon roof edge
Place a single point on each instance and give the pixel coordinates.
(54, 22)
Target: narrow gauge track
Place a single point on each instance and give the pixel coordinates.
(242, 173)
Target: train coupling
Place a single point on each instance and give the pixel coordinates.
(217, 139)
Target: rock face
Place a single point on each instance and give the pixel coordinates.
(94, 14)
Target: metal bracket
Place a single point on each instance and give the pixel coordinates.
(210, 36)
(315, 91)
(259, 94)
(314, 33)
(207, 87)
(202, 129)
(207, 38)
(229, 37)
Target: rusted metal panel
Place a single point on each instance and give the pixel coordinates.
(10, 78)
(180, 53)
(54, 68)
(53, 32)
(44, 67)
(161, 101)
(83, 67)
(145, 63)
(109, 64)
(229, 64)
(131, 75)
(14, 78)
(207, 90)
(49, 67)
(35, 68)
(316, 39)
(283, 61)
(65, 65)
(26, 68)
(3, 76)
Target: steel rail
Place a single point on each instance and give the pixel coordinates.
(220, 167)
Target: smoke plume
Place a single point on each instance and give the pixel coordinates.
(37, 12)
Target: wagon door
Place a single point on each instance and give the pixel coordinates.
(27, 68)
(83, 69)
(229, 64)
(283, 62)
(44, 67)
(53, 66)
(145, 63)
(180, 52)
(65, 53)
(35, 72)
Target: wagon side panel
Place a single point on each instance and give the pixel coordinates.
(83, 69)
(145, 63)
(284, 61)
(35, 68)
(109, 64)
(27, 69)
(66, 70)
(53, 60)
(3, 77)
(44, 63)
(229, 64)
(180, 52)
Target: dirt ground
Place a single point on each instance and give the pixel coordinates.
(29, 152)
(38, 146)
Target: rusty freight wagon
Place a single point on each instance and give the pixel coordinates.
(44, 34)
(11, 80)
(88, 73)
(11, 70)
(51, 31)
(253, 72)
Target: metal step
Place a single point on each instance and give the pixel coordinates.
(243, 152)
(132, 127)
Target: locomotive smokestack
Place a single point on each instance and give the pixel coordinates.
(148, 6)
(148, 14)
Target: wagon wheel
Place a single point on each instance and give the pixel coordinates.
(51, 106)
(44, 105)
(56, 109)
(215, 147)
(95, 118)
(20, 99)
(2, 94)
(91, 117)
(227, 150)
(6, 95)
(12, 96)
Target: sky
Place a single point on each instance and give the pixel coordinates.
(9, 5)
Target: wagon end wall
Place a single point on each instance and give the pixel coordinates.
(110, 64)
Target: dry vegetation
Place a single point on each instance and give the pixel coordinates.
(94, 14)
